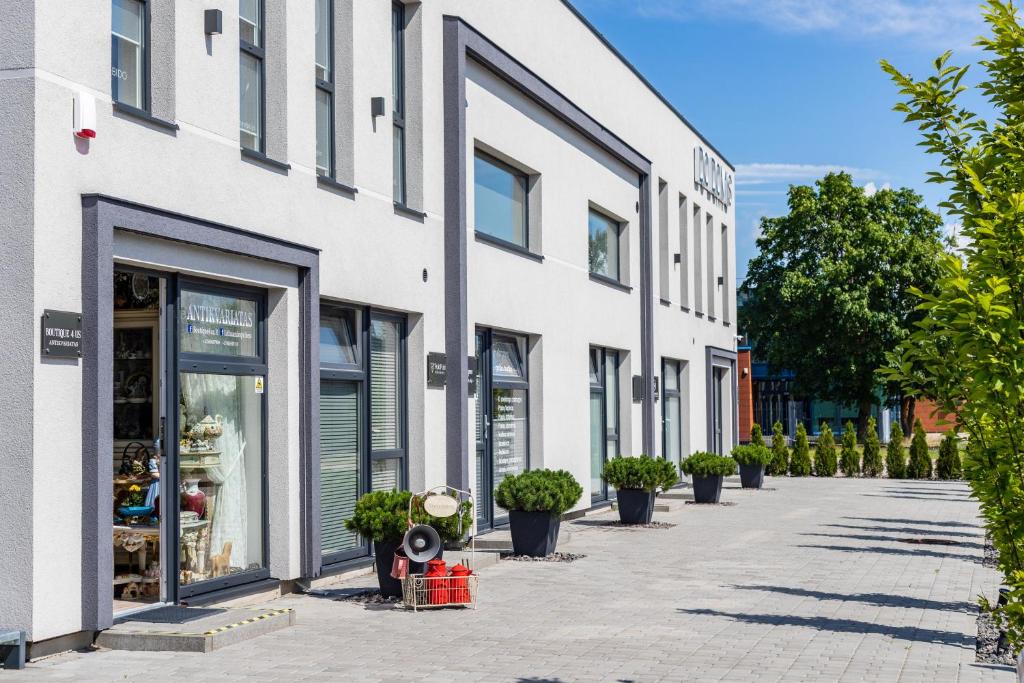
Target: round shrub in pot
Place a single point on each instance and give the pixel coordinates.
(752, 460)
(708, 470)
(536, 500)
(636, 482)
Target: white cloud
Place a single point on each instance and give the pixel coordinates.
(771, 173)
(949, 23)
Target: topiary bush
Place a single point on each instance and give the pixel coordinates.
(895, 458)
(780, 453)
(948, 465)
(849, 460)
(644, 473)
(756, 436)
(800, 462)
(920, 465)
(752, 454)
(825, 463)
(383, 516)
(704, 464)
(872, 464)
(554, 491)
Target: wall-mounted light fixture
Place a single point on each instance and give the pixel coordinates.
(721, 280)
(376, 106)
(213, 22)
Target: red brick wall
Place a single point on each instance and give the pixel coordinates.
(746, 398)
(925, 411)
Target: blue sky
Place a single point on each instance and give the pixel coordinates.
(790, 89)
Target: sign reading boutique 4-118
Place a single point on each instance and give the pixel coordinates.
(712, 176)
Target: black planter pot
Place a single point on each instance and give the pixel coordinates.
(751, 476)
(385, 553)
(533, 533)
(707, 488)
(636, 506)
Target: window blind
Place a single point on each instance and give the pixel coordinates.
(339, 463)
(385, 385)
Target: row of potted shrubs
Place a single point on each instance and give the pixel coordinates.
(537, 499)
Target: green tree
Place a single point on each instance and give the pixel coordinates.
(895, 457)
(872, 465)
(850, 458)
(920, 466)
(800, 462)
(756, 436)
(780, 462)
(825, 464)
(828, 291)
(967, 351)
(948, 464)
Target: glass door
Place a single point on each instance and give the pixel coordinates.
(671, 406)
(604, 417)
(717, 378)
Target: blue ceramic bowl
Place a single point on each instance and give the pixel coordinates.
(135, 510)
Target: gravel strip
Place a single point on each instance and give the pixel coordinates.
(370, 597)
(693, 502)
(988, 649)
(616, 524)
(553, 557)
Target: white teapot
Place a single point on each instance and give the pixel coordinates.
(210, 427)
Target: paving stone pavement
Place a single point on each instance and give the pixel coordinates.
(805, 581)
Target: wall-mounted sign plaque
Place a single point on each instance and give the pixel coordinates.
(61, 335)
(437, 370)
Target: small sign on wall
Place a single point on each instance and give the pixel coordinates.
(61, 334)
(437, 370)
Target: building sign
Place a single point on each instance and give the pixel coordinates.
(471, 379)
(61, 334)
(217, 324)
(437, 370)
(712, 177)
(508, 429)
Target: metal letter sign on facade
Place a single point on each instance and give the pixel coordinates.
(471, 362)
(712, 177)
(61, 334)
(437, 370)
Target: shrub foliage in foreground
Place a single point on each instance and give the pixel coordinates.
(756, 435)
(780, 453)
(707, 464)
(752, 454)
(920, 466)
(800, 462)
(383, 516)
(643, 473)
(948, 465)
(872, 465)
(849, 461)
(554, 491)
(825, 464)
(895, 458)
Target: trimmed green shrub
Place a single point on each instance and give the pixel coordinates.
(780, 453)
(948, 465)
(895, 458)
(756, 435)
(554, 491)
(849, 461)
(383, 516)
(825, 464)
(800, 462)
(644, 473)
(707, 464)
(752, 454)
(872, 465)
(920, 466)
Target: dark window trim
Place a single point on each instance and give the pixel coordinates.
(684, 309)
(403, 210)
(328, 183)
(398, 97)
(143, 116)
(260, 54)
(605, 280)
(505, 245)
(665, 302)
(677, 365)
(402, 452)
(350, 370)
(327, 86)
(520, 175)
(147, 103)
(261, 158)
(620, 228)
(604, 495)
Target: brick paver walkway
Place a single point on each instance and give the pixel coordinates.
(809, 580)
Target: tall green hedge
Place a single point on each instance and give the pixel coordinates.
(920, 466)
(849, 461)
(800, 462)
(948, 465)
(825, 464)
(895, 458)
(756, 435)
(780, 463)
(872, 465)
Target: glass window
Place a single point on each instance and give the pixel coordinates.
(499, 199)
(611, 397)
(509, 433)
(221, 475)
(671, 412)
(250, 22)
(339, 336)
(604, 417)
(604, 245)
(127, 56)
(324, 132)
(323, 40)
(340, 471)
(506, 357)
(324, 88)
(218, 324)
(250, 76)
(386, 475)
(398, 99)
(386, 384)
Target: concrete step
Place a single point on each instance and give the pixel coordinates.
(501, 539)
(192, 629)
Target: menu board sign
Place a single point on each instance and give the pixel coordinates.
(217, 324)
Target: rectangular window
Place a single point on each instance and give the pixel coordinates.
(499, 200)
(339, 337)
(128, 57)
(324, 64)
(684, 255)
(604, 245)
(387, 404)
(664, 263)
(712, 293)
(250, 80)
(604, 417)
(698, 264)
(398, 97)
(671, 414)
(726, 275)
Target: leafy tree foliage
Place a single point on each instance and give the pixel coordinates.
(850, 459)
(780, 463)
(825, 463)
(895, 456)
(948, 466)
(967, 352)
(828, 291)
(920, 465)
(872, 464)
(800, 462)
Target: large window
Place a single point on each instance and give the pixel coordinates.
(324, 87)
(671, 411)
(128, 60)
(387, 389)
(250, 76)
(604, 236)
(499, 200)
(398, 97)
(604, 417)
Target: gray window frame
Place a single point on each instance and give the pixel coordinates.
(259, 53)
(604, 355)
(619, 227)
(401, 176)
(145, 94)
(520, 176)
(677, 365)
(327, 86)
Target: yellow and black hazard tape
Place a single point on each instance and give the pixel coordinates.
(220, 629)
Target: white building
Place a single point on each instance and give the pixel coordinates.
(287, 209)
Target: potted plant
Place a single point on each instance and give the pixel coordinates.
(636, 482)
(536, 500)
(708, 470)
(383, 517)
(752, 460)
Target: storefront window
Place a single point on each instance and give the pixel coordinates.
(217, 324)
